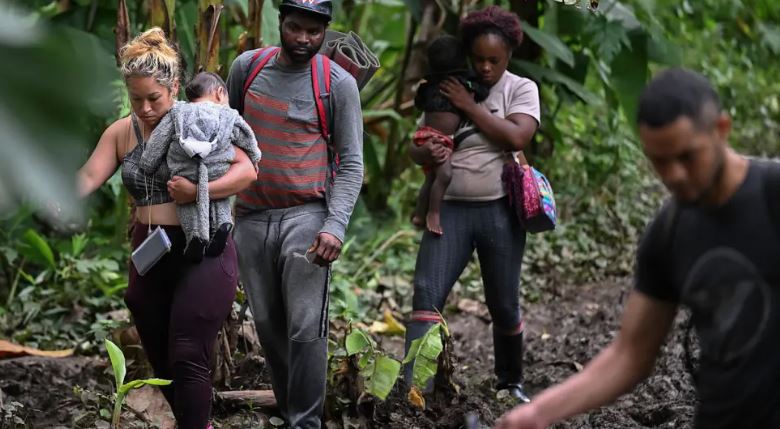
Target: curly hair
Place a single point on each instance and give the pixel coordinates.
(446, 54)
(492, 20)
(150, 54)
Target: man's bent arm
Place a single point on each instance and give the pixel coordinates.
(628, 360)
(348, 143)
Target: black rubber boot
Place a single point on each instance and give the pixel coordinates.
(509, 364)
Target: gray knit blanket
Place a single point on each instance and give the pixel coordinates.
(196, 141)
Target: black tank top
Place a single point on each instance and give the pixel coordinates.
(146, 188)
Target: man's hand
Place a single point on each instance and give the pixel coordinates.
(521, 417)
(182, 190)
(326, 249)
(459, 96)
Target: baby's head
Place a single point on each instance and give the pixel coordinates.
(207, 86)
(446, 55)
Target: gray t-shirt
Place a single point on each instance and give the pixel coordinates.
(288, 91)
(477, 163)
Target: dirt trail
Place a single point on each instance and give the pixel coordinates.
(563, 333)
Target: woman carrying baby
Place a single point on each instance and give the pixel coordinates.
(476, 214)
(178, 306)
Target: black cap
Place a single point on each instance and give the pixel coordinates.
(323, 8)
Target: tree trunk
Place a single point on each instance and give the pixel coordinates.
(412, 70)
(122, 30)
(162, 14)
(255, 30)
(414, 67)
(528, 11)
(207, 58)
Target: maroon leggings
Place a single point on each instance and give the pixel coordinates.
(178, 308)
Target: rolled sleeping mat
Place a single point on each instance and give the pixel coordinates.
(351, 53)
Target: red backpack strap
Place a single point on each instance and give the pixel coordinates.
(263, 55)
(320, 79)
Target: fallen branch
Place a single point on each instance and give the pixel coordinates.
(255, 398)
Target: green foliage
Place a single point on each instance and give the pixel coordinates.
(731, 43)
(382, 376)
(59, 288)
(425, 352)
(378, 371)
(37, 249)
(53, 91)
(117, 362)
(550, 43)
(357, 342)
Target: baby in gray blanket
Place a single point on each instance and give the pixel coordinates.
(196, 140)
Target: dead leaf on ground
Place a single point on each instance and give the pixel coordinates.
(395, 282)
(416, 398)
(378, 327)
(121, 315)
(361, 325)
(576, 365)
(150, 402)
(10, 350)
(474, 308)
(390, 325)
(248, 333)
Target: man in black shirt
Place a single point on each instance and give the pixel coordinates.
(713, 248)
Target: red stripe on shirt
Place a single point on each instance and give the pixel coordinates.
(275, 163)
(251, 114)
(261, 132)
(278, 149)
(268, 101)
(294, 180)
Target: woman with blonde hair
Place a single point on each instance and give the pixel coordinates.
(178, 306)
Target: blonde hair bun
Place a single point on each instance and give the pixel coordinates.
(150, 54)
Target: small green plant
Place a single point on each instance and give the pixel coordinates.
(429, 354)
(118, 364)
(379, 371)
(358, 366)
(425, 352)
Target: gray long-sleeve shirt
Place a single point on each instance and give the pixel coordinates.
(286, 93)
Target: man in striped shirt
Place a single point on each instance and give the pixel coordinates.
(290, 223)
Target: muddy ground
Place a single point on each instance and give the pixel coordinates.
(563, 333)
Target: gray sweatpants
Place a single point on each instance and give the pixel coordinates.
(288, 297)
